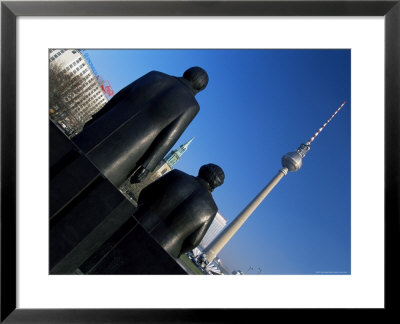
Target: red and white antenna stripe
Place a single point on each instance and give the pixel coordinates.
(326, 123)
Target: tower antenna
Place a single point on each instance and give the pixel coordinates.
(293, 161)
(326, 123)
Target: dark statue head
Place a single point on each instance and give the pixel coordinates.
(197, 77)
(212, 174)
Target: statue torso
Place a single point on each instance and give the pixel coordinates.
(156, 97)
(174, 208)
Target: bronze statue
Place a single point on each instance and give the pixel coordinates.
(177, 209)
(141, 123)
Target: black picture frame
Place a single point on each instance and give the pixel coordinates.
(10, 10)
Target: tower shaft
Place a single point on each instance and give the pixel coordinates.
(220, 241)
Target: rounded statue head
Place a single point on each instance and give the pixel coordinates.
(212, 174)
(197, 77)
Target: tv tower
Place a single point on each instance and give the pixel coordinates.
(290, 162)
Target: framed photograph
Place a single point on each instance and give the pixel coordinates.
(255, 52)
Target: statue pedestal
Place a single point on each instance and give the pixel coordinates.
(92, 228)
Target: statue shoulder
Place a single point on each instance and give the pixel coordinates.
(157, 74)
(179, 175)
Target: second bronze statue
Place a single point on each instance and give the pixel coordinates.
(178, 209)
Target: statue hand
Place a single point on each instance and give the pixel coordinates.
(139, 175)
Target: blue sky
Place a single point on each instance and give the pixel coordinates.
(259, 105)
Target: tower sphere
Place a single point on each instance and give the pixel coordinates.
(292, 161)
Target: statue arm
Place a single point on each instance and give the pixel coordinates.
(166, 139)
(195, 238)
